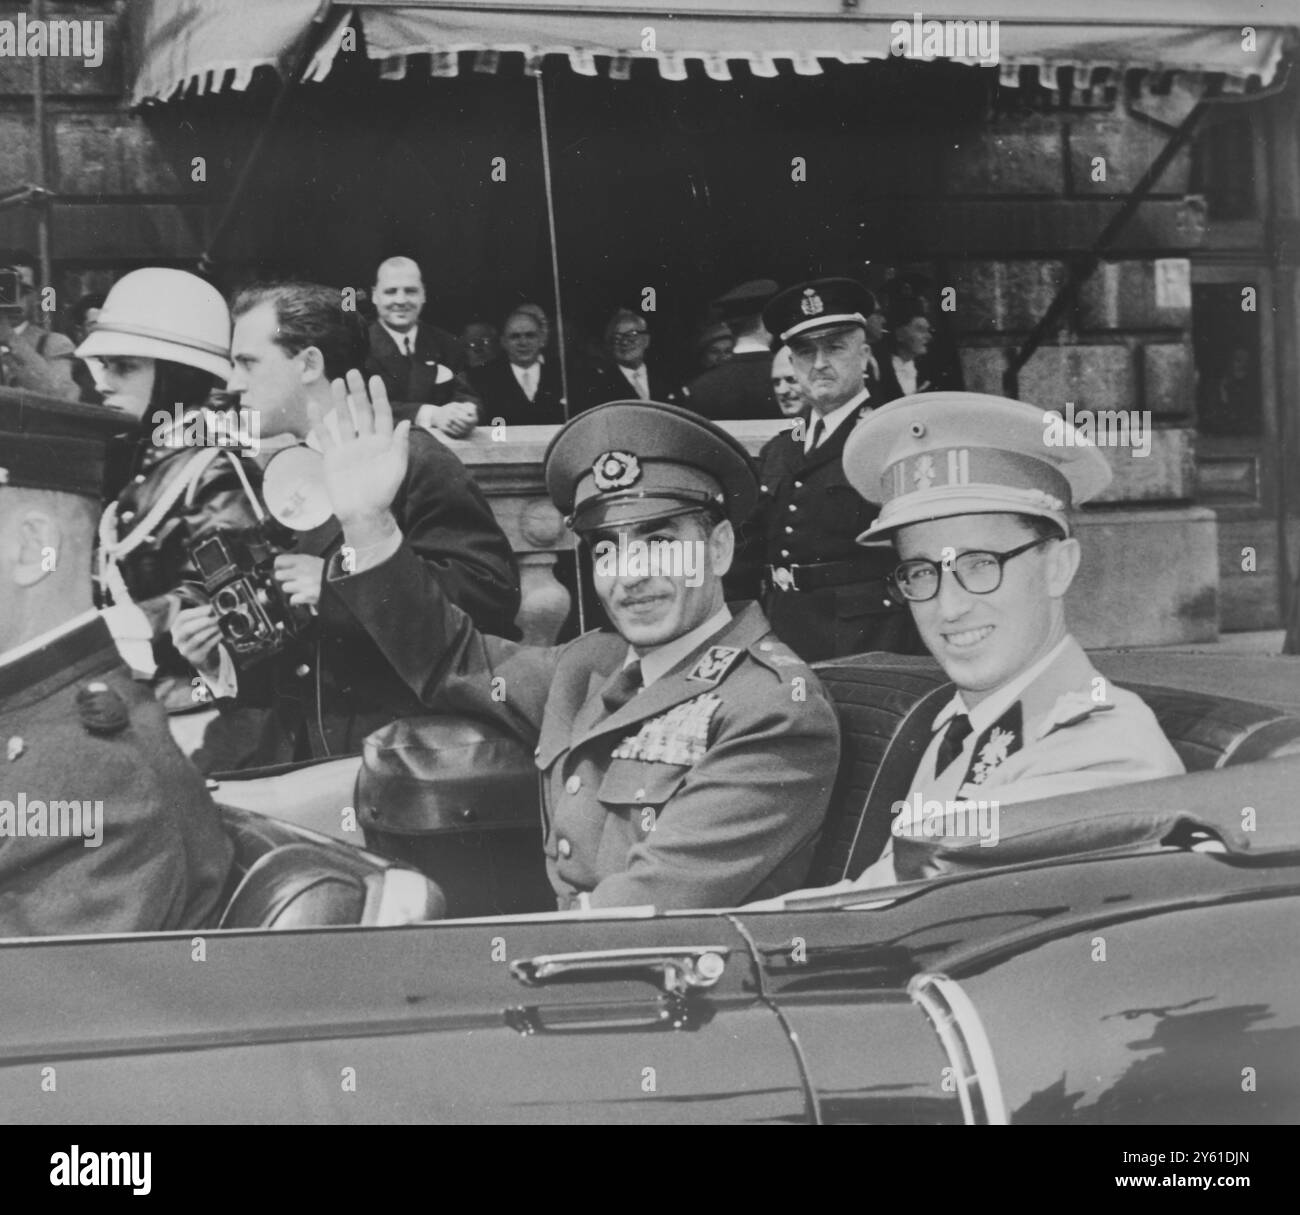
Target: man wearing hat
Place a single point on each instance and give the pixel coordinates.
(33, 357)
(976, 492)
(742, 386)
(825, 596)
(686, 758)
(104, 825)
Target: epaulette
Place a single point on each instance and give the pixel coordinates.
(102, 711)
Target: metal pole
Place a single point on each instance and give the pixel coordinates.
(38, 121)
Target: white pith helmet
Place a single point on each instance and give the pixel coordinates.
(163, 314)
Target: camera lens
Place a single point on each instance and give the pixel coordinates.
(226, 601)
(238, 625)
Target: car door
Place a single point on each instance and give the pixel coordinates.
(543, 1019)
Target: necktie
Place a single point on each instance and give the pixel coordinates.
(626, 684)
(815, 434)
(410, 346)
(642, 387)
(954, 736)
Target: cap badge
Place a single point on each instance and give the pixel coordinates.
(616, 470)
(923, 473)
(811, 304)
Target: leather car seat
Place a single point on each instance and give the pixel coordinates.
(885, 710)
(288, 877)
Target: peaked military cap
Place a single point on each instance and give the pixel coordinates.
(822, 303)
(745, 299)
(628, 462)
(939, 454)
(46, 443)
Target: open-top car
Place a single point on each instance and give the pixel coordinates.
(1127, 955)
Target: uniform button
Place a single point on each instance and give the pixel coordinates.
(762, 489)
(798, 485)
(785, 552)
(572, 785)
(302, 670)
(139, 478)
(127, 516)
(793, 506)
(789, 531)
(564, 848)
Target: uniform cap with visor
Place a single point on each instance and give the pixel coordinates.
(159, 313)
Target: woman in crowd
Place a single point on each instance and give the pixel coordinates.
(903, 368)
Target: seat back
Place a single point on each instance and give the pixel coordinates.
(886, 704)
(286, 876)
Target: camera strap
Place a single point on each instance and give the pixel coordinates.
(113, 550)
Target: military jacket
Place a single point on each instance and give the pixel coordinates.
(706, 789)
(74, 727)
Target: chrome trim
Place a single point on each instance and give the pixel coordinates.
(678, 969)
(967, 1046)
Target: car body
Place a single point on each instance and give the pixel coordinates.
(1151, 978)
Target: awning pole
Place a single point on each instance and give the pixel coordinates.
(1068, 293)
(40, 141)
(310, 44)
(561, 345)
(555, 249)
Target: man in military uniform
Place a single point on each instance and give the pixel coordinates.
(977, 492)
(687, 758)
(825, 596)
(104, 825)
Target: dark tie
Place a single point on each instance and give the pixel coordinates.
(621, 689)
(817, 427)
(954, 736)
(410, 346)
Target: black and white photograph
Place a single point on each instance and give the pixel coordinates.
(624, 562)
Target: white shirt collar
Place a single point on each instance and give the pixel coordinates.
(994, 705)
(750, 345)
(399, 339)
(832, 421)
(47, 638)
(662, 660)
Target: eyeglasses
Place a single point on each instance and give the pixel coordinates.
(980, 573)
(629, 336)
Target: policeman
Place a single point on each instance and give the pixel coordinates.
(688, 757)
(977, 493)
(104, 825)
(824, 595)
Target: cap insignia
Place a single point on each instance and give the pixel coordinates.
(811, 304)
(616, 470)
(716, 661)
(923, 473)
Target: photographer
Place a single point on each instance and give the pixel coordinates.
(31, 357)
(159, 348)
(330, 686)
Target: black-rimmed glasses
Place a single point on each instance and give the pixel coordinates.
(978, 572)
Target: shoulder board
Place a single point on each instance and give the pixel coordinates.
(1069, 710)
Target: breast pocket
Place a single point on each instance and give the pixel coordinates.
(640, 791)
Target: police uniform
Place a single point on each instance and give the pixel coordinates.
(75, 728)
(825, 595)
(707, 787)
(1058, 726)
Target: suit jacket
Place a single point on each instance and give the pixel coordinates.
(808, 513)
(333, 686)
(501, 396)
(604, 381)
(707, 787)
(1071, 730)
(77, 727)
(434, 376)
(737, 389)
(40, 360)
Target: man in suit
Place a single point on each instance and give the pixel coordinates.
(331, 687)
(627, 374)
(976, 492)
(104, 825)
(825, 595)
(686, 758)
(742, 386)
(525, 389)
(421, 365)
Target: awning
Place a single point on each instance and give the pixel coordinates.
(193, 43)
